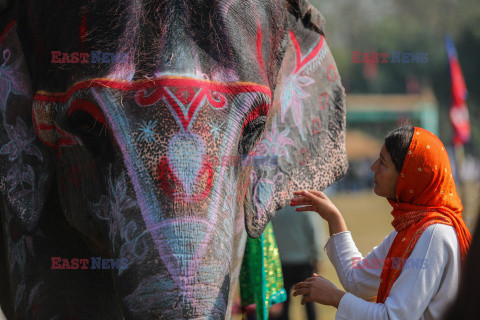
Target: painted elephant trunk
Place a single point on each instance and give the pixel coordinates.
(165, 222)
(188, 281)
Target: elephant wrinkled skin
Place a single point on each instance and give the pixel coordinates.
(154, 133)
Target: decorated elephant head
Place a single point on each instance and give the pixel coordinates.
(155, 132)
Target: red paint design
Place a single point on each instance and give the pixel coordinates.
(331, 70)
(298, 53)
(184, 94)
(75, 175)
(87, 106)
(316, 126)
(159, 93)
(226, 88)
(83, 29)
(170, 183)
(34, 311)
(72, 312)
(259, 52)
(190, 92)
(216, 100)
(304, 155)
(5, 31)
(323, 100)
(46, 130)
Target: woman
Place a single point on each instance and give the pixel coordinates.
(414, 272)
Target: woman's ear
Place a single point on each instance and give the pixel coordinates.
(305, 133)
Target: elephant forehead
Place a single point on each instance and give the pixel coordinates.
(168, 128)
(153, 110)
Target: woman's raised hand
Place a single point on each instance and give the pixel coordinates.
(313, 200)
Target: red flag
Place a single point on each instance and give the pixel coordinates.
(458, 110)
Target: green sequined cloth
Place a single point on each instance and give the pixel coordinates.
(261, 280)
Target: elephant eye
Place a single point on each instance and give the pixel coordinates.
(83, 122)
(253, 127)
(93, 133)
(251, 133)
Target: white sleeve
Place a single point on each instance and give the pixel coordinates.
(358, 275)
(417, 284)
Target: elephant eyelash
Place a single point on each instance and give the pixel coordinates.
(260, 107)
(91, 128)
(102, 129)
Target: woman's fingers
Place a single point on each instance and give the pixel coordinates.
(302, 291)
(318, 193)
(312, 279)
(299, 197)
(300, 200)
(305, 208)
(306, 299)
(301, 285)
(299, 192)
(300, 203)
(306, 194)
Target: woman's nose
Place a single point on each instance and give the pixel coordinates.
(372, 168)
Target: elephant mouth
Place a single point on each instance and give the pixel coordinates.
(154, 296)
(197, 277)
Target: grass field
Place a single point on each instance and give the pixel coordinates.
(369, 220)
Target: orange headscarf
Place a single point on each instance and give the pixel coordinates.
(426, 195)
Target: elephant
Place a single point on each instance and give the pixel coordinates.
(143, 141)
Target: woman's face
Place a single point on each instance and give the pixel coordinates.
(385, 175)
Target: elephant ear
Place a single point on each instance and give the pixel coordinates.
(303, 146)
(24, 164)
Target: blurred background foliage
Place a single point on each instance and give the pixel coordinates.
(408, 26)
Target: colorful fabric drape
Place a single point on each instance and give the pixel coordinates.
(426, 195)
(261, 280)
